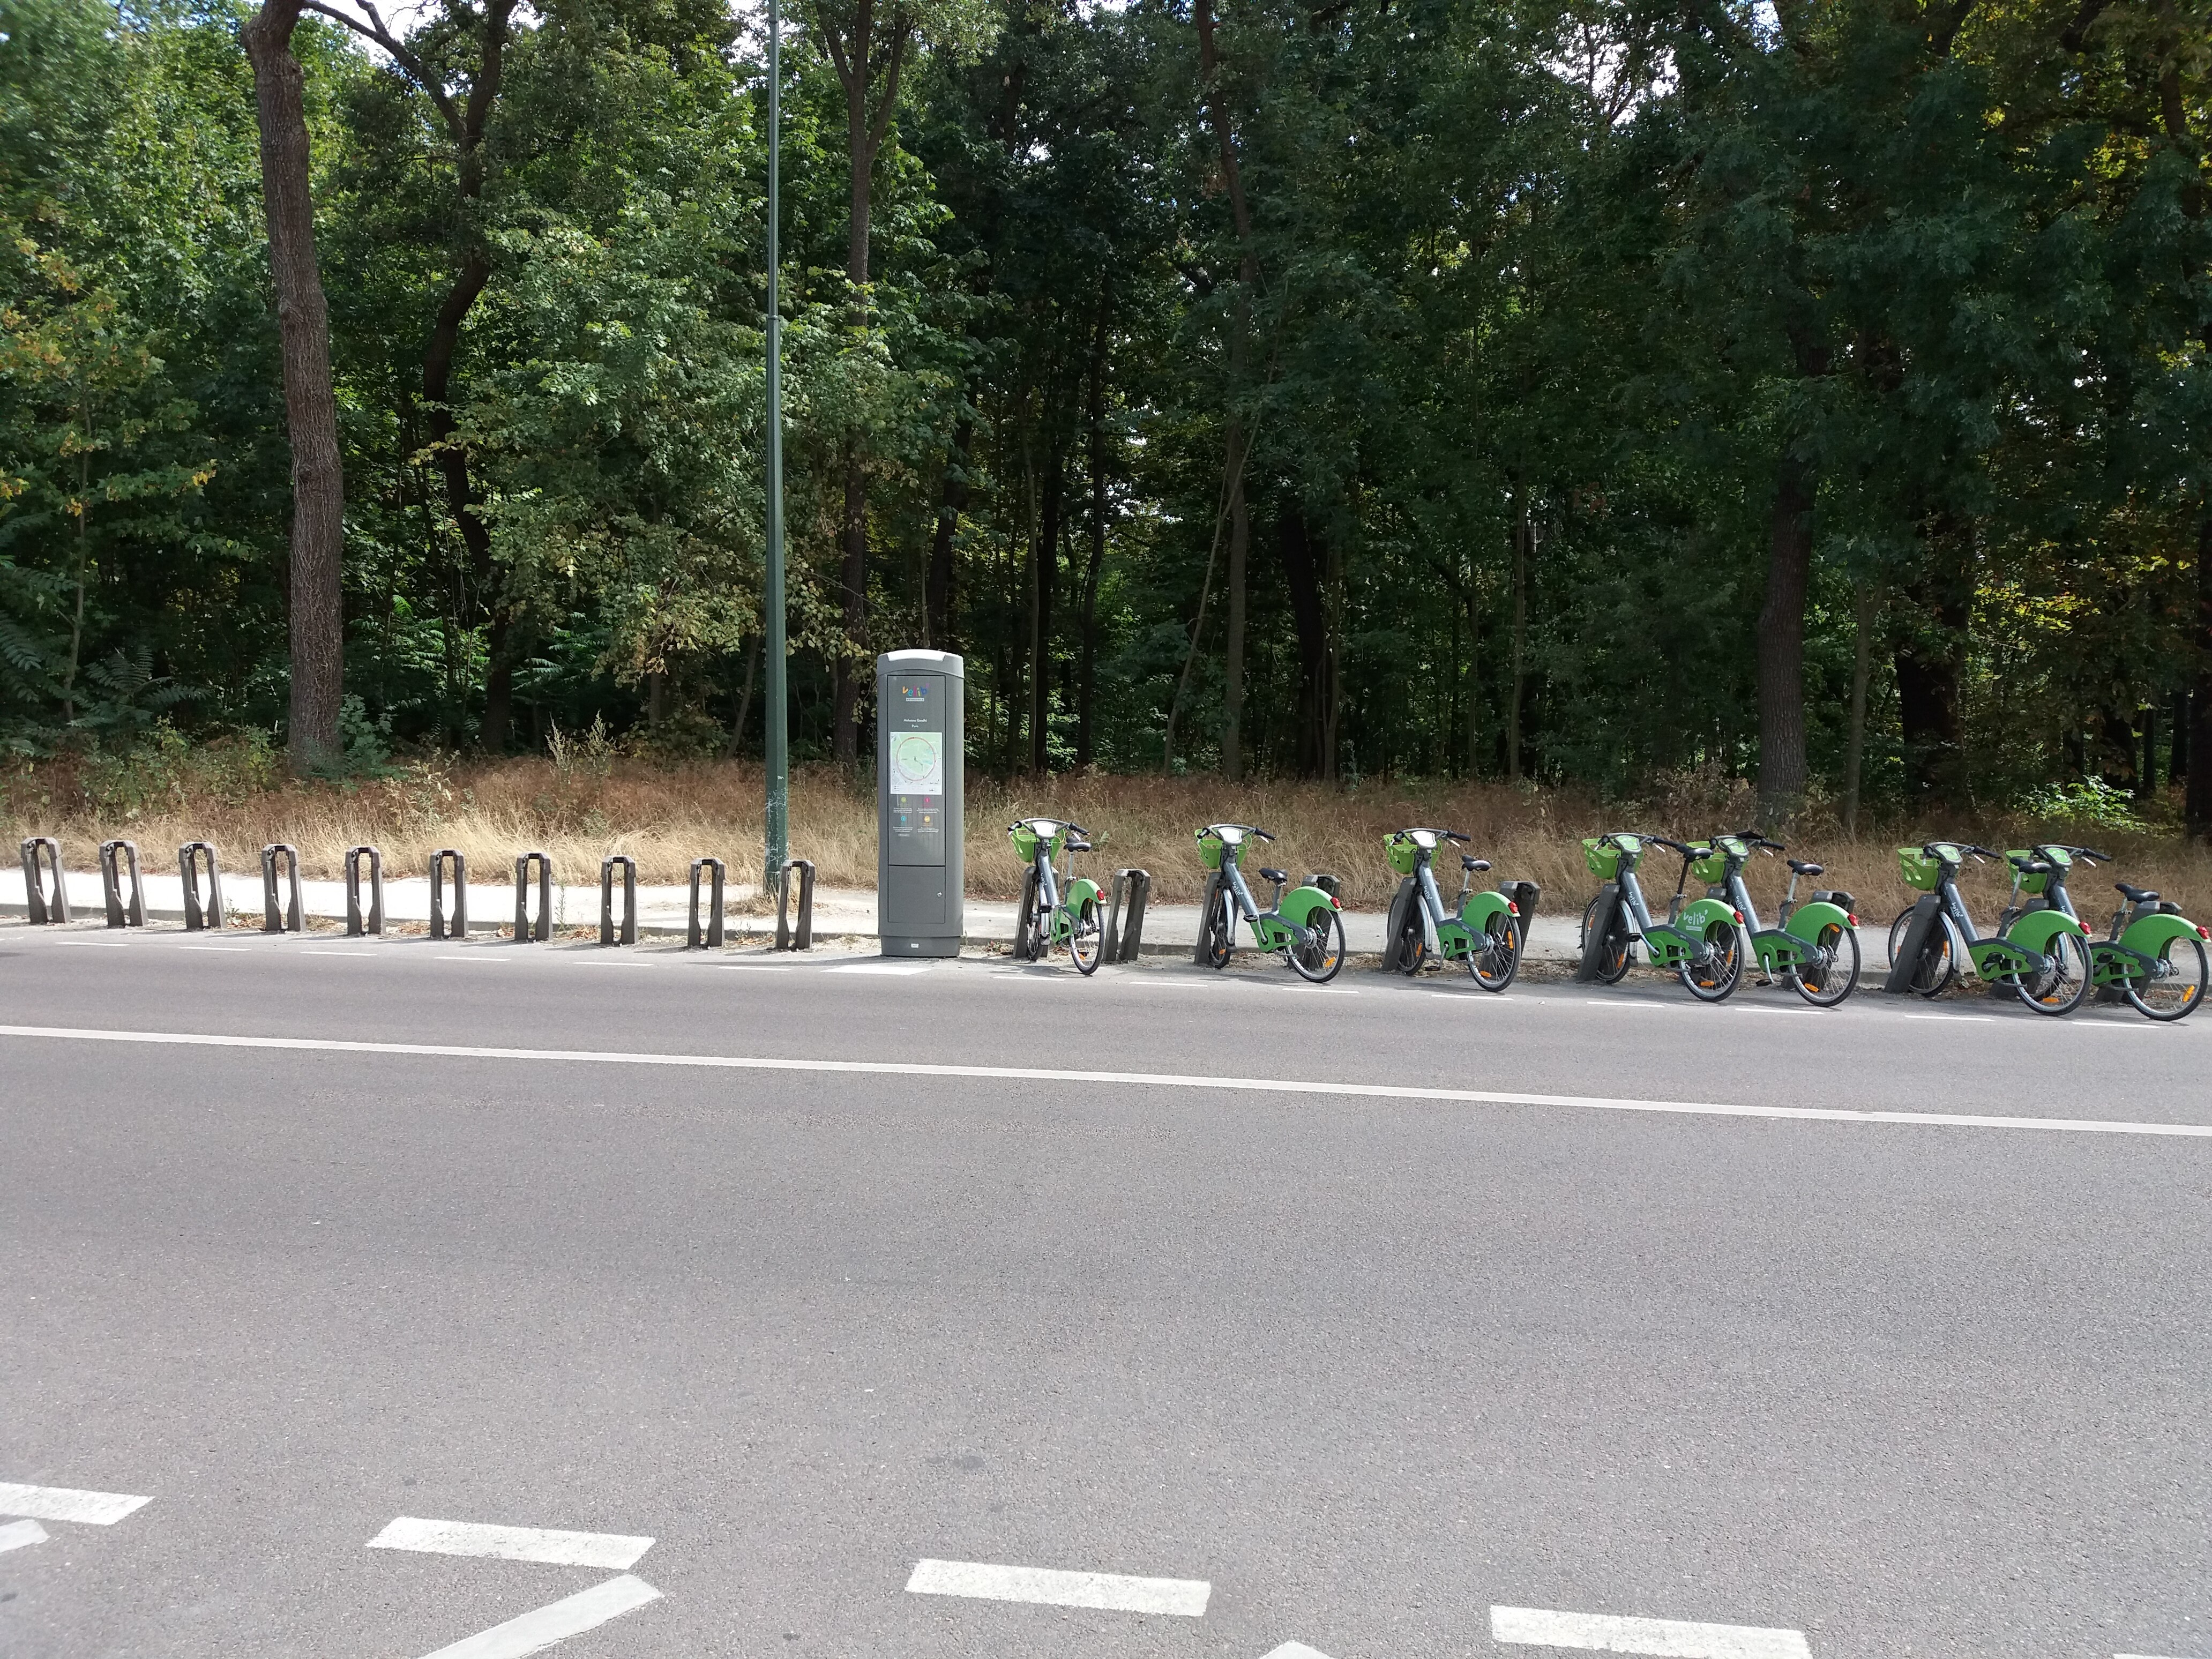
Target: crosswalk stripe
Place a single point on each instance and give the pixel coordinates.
(1666, 1638)
(1108, 1591)
(542, 1627)
(570, 1549)
(91, 1509)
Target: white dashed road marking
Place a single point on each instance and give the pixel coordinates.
(20, 1534)
(91, 1509)
(879, 968)
(1296, 1650)
(2080, 1126)
(1108, 1591)
(571, 1549)
(541, 1628)
(1670, 1639)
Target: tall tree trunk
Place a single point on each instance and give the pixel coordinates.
(1930, 664)
(1303, 576)
(2197, 803)
(303, 328)
(1045, 575)
(1524, 534)
(860, 54)
(937, 586)
(1861, 673)
(1782, 643)
(1095, 419)
(1248, 279)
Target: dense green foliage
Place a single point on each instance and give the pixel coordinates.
(1537, 314)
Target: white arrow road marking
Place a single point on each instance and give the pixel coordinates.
(1296, 1650)
(1669, 1639)
(1110, 1591)
(572, 1616)
(92, 1509)
(569, 1549)
(20, 1534)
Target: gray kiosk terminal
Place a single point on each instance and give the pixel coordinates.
(921, 741)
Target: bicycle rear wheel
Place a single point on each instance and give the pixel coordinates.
(1316, 950)
(2173, 996)
(1715, 979)
(1613, 965)
(1832, 972)
(1495, 958)
(2059, 988)
(1086, 938)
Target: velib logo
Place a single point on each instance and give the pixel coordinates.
(914, 693)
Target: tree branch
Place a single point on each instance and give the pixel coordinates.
(397, 50)
(902, 30)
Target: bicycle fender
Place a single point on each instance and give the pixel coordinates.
(1697, 917)
(2148, 933)
(1080, 888)
(2035, 930)
(1300, 902)
(1807, 920)
(1476, 912)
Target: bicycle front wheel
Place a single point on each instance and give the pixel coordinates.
(1495, 958)
(1897, 933)
(2173, 995)
(1613, 965)
(1832, 972)
(1220, 939)
(1087, 938)
(1317, 949)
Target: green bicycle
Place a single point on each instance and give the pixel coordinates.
(2043, 957)
(1303, 925)
(1049, 916)
(1697, 942)
(2153, 956)
(1815, 946)
(1483, 930)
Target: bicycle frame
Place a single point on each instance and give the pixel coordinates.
(1995, 956)
(1286, 916)
(1057, 914)
(1672, 943)
(1791, 941)
(1451, 932)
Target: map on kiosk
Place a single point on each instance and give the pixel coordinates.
(918, 764)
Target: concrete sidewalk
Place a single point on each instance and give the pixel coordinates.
(842, 915)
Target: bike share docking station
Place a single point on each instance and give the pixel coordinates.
(921, 730)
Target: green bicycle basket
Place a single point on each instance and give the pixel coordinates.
(1025, 840)
(1710, 865)
(1209, 848)
(1402, 851)
(1920, 869)
(1604, 860)
(2039, 885)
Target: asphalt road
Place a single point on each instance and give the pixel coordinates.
(1365, 1365)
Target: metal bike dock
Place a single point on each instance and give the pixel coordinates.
(785, 938)
(457, 926)
(290, 916)
(524, 928)
(42, 855)
(712, 938)
(356, 923)
(607, 930)
(1125, 915)
(200, 917)
(113, 855)
(1198, 951)
(1927, 918)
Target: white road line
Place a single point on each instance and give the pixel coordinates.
(569, 1549)
(751, 967)
(2086, 1126)
(91, 1509)
(1109, 1591)
(103, 944)
(1671, 1639)
(1296, 1650)
(468, 955)
(360, 952)
(534, 1631)
(879, 968)
(215, 947)
(21, 1534)
(609, 962)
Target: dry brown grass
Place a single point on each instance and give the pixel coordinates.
(665, 816)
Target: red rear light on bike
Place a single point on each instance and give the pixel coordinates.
(1511, 908)
(1333, 905)
(2204, 932)
(1851, 919)
(1738, 914)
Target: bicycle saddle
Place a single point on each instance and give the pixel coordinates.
(1273, 875)
(1469, 861)
(1078, 847)
(2134, 894)
(1806, 867)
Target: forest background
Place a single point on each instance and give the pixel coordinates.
(1813, 398)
